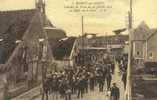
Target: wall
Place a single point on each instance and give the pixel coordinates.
(138, 49)
(152, 48)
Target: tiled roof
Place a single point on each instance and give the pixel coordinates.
(152, 32)
(17, 20)
(13, 25)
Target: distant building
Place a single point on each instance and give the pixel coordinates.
(104, 41)
(61, 47)
(98, 45)
(62, 50)
(55, 33)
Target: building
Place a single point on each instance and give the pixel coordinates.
(144, 39)
(24, 49)
(55, 33)
(62, 49)
(139, 37)
(151, 47)
(112, 40)
(144, 66)
(90, 45)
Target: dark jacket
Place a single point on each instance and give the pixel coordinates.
(115, 93)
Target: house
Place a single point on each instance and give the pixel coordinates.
(143, 40)
(151, 47)
(138, 40)
(24, 47)
(144, 69)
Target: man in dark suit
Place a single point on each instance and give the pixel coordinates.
(80, 86)
(115, 93)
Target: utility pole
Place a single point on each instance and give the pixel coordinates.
(82, 22)
(82, 28)
(40, 5)
(107, 43)
(130, 15)
(129, 78)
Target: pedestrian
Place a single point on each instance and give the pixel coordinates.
(73, 85)
(115, 93)
(108, 80)
(80, 87)
(124, 79)
(62, 87)
(86, 77)
(91, 81)
(45, 89)
(112, 67)
(68, 91)
(100, 81)
(54, 86)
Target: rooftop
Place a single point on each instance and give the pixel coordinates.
(13, 25)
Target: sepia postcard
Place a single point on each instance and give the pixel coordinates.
(78, 50)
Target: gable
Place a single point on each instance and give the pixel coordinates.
(152, 33)
(30, 44)
(141, 32)
(13, 25)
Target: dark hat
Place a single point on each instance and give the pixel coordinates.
(114, 84)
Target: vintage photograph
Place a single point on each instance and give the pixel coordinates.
(78, 50)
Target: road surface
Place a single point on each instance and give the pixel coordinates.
(91, 95)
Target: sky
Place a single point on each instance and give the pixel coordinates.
(101, 23)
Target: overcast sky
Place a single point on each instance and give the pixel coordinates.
(98, 23)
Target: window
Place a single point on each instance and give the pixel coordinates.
(150, 55)
(138, 53)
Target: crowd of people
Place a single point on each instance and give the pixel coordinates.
(80, 80)
(123, 63)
